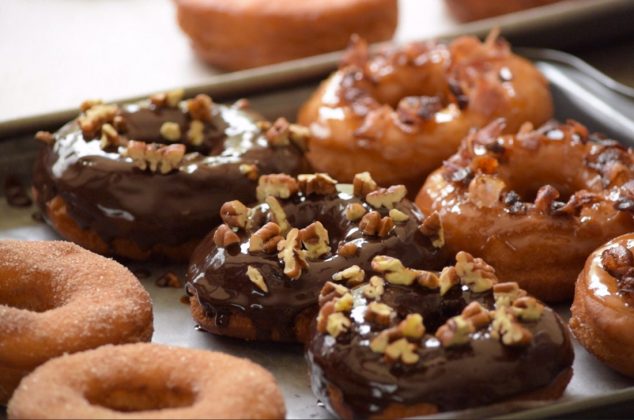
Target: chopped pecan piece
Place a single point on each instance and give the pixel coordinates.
(327, 308)
(277, 213)
(154, 156)
(344, 303)
(347, 249)
(363, 184)
(402, 350)
(398, 216)
(394, 270)
(474, 272)
(224, 236)
(527, 308)
(170, 99)
(196, 133)
(428, 279)
(337, 324)
(109, 136)
(249, 170)
(276, 185)
(315, 240)
(485, 190)
(200, 108)
(617, 260)
(432, 228)
(330, 291)
(455, 332)
(171, 131)
(375, 288)
(90, 122)
(171, 157)
(279, 133)
(506, 293)
(546, 196)
(448, 279)
(386, 197)
(477, 315)
(510, 332)
(291, 254)
(373, 225)
(256, 278)
(379, 314)
(352, 275)
(355, 211)
(234, 213)
(266, 238)
(412, 326)
(318, 184)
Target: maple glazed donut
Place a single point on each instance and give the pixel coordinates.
(534, 204)
(403, 342)
(398, 114)
(237, 34)
(58, 298)
(603, 308)
(259, 274)
(147, 180)
(148, 381)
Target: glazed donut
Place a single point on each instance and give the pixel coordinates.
(406, 342)
(239, 34)
(259, 274)
(400, 113)
(57, 298)
(141, 381)
(146, 180)
(468, 10)
(534, 204)
(603, 308)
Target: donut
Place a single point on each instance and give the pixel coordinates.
(468, 10)
(404, 342)
(58, 298)
(146, 180)
(603, 307)
(533, 204)
(398, 114)
(141, 381)
(235, 35)
(258, 275)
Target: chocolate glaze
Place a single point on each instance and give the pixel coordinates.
(481, 372)
(217, 276)
(105, 192)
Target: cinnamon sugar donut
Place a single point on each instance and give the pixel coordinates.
(603, 308)
(141, 381)
(58, 298)
(258, 275)
(534, 204)
(237, 34)
(146, 180)
(402, 342)
(398, 114)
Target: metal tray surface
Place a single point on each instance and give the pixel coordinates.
(587, 96)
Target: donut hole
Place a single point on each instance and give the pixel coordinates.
(141, 397)
(34, 296)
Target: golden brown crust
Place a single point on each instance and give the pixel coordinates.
(64, 299)
(57, 214)
(241, 34)
(468, 10)
(148, 381)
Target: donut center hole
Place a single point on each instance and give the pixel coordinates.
(34, 299)
(141, 397)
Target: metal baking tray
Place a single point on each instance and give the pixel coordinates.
(580, 92)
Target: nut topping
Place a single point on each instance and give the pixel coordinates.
(154, 156)
(276, 185)
(224, 236)
(277, 213)
(546, 195)
(508, 330)
(387, 198)
(265, 239)
(279, 133)
(196, 133)
(379, 314)
(375, 288)
(319, 184)
(527, 308)
(394, 270)
(89, 103)
(347, 249)
(432, 228)
(506, 293)
(412, 326)
(109, 136)
(330, 291)
(327, 309)
(337, 324)
(363, 184)
(428, 279)
(200, 108)
(448, 279)
(373, 225)
(249, 170)
(291, 254)
(477, 315)
(455, 332)
(402, 350)
(398, 216)
(256, 278)
(474, 272)
(352, 275)
(617, 260)
(171, 131)
(171, 98)
(485, 190)
(315, 240)
(344, 303)
(94, 117)
(355, 211)
(234, 213)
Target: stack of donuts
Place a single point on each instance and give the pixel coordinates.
(409, 231)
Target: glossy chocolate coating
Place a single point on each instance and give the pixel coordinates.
(105, 192)
(481, 372)
(217, 276)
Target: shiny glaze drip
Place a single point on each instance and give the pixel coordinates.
(217, 276)
(481, 372)
(601, 283)
(105, 192)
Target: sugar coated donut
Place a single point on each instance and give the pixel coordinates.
(398, 114)
(534, 204)
(141, 381)
(58, 298)
(147, 179)
(603, 308)
(236, 34)
(258, 275)
(401, 342)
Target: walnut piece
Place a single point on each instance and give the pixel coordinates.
(448, 279)
(379, 314)
(331, 290)
(277, 213)
(291, 254)
(372, 224)
(224, 236)
(337, 324)
(276, 185)
(318, 184)
(394, 270)
(506, 293)
(402, 350)
(352, 275)
(93, 118)
(343, 303)
(347, 249)
(387, 198)
(363, 184)
(477, 315)
(455, 332)
(510, 332)
(315, 240)
(170, 131)
(432, 228)
(256, 278)
(527, 308)
(474, 272)
(200, 108)
(266, 238)
(428, 279)
(234, 213)
(355, 211)
(375, 288)
(412, 326)
(486, 190)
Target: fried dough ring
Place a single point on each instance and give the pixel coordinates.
(148, 381)
(57, 298)
(400, 113)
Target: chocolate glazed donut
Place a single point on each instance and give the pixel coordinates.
(408, 342)
(147, 180)
(258, 275)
